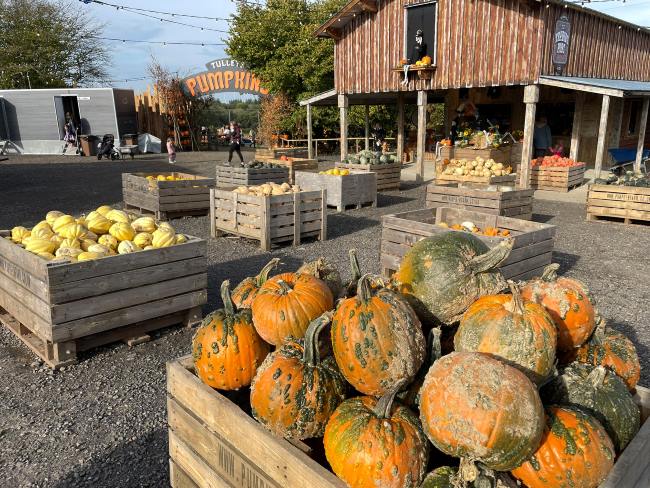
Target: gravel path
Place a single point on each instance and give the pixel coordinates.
(101, 423)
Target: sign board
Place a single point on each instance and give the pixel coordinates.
(223, 75)
(561, 43)
(84, 98)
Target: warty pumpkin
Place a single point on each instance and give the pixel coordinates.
(377, 339)
(371, 443)
(294, 393)
(244, 293)
(325, 271)
(286, 304)
(468, 476)
(226, 347)
(575, 452)
(472, 405)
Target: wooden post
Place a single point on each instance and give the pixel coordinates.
(367, 126)
(531, 97)
(577, 125)
(422, 135)
(310, 145)
(602, 135)
(400, 127)
(642, 128)
(343, 108)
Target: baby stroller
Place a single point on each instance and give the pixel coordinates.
(107, 148)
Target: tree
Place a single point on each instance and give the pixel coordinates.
(48, 45)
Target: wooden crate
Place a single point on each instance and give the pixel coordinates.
(485, 180)
(276, 152)
(501, 154)
(507, 201)
(213, 442)
(532, 250)
(296, 164)
(623, 203)
(229, 176)
(59, 309)
(557, 179)
(354, 189)
(270, 220)
(388, 175)
(167, 199)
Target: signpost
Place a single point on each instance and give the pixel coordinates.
(223, 75)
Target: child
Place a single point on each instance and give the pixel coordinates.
(171, 150)
(558, 150)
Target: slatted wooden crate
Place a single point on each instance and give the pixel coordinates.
(229, 176)
(622, 203)
(388, 175)
(557, 179)
(167, 199)
(213, 442)
(276, 152)
(354, 189)
(270, 220)
(499, 154)
(507, 201)
(296, 164)
(485, 180)
(532, 250)
(59, 309)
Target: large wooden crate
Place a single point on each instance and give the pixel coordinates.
(388, 175)
(167, 199)
(276, 152)
(296, 164)
(229, 176)
(532, 249)
(213, 442)
(623, 203)
(501, 154)
(354, 189)
(507, 201)
(59, 309)
(271, 219)
(557, 179)
(485, 180)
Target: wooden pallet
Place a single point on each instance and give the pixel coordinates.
(67, 306)
(167, 199)
(229, 176)
(355, 189)
(531, 253)
(270, 220)
(624, 203)
(388, 175)
(296, 164)
(557, 179)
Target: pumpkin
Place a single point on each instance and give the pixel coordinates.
(245, 292)
(371, 443)
(443, 275)
(473, 405)
(427, 61)
(470, 476)
(575, 452)
(323, 270)
(377, 339)
(567, 301)
(518, 332)
(602, 394)
(226, 347)
(355, 270)
(294, 393)
(286, 304)
(410, 396)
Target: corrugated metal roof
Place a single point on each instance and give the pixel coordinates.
(617, 88)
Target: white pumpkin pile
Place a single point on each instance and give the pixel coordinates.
(267, 189)
(476, 167)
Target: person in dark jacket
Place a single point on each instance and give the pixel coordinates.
(378, 139)
(235, 141)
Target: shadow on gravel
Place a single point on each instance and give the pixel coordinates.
(565, 260)
(542, 218)
(339, 225)
(384, 200)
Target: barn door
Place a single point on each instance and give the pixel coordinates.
(60, 115)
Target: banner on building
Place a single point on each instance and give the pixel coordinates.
(222, 76)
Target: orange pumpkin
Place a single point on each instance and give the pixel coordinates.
(284, 157)
(427, 61)
(287, 303)
(245, 292)
(567, 301)
(226, 348)
(575, 452)
(294, 393)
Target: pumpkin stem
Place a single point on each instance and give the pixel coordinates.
(311, 355)
(493, 258)
(601, 326)
(597, 376)
(354, 264)
(435, 348)
(284, 286)
(364, 291)
(550, 272)
(263, 275)
(228, 306)
(517, 302)
(385, 404)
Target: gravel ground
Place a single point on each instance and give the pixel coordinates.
(101, 423)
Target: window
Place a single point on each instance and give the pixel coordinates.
(633, 122)
(421, 16)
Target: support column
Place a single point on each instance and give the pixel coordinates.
(577, 125)
(422, 135)
(400, 127)
(367, 127)
(643, 124)
(531, 97)
(343, 108)
(602, 135)
(310, 145)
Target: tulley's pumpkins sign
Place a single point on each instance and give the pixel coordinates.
(223, 75)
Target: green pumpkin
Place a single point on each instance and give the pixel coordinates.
(323, 270)
(443, 275)
(448, 477)
(602, 394)
(384, 159)
(363, 160)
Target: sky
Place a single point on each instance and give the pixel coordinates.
(130, 60)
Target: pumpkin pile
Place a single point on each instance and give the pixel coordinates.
(370, 374)
(169, 177)
(474, 167)
(267, 189)
(471, 227)
(555, 161)
(253, 165)
(103, 232)
(370, 157)
(335, 172)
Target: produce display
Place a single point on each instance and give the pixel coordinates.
(267, 189)
(370, 157)
(101, 233)
(630, 178)
(471, 227)
(335, 172)
(485, 391)
(166, 178)
(555, 161)
(253, 164)
(475, 167)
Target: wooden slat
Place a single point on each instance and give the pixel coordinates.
(14, 258)
(179, 478)
(193, 465)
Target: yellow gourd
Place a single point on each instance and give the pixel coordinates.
(89, 256)
(68, 252)
(48, 256)
(163, 238)
(99, 225)
(118, 216)
(122, 231)
(62, 222)
(86, 243)
(181, 238)
(38, 245)
(72, 243)
(143, 239)
(127, 247)
(19, 233)
(104, 210)
(73, 231)
(144, 224)
(109, 241)
(51, 217)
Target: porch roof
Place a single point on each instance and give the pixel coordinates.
(602, 86)
(330, 98)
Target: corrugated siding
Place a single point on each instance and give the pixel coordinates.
(31, 115)
(98, 113)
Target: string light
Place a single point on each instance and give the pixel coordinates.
(164, 43)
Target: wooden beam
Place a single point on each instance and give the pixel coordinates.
(343, 109)
(531, 97)
(368, 6)
(400, 127)
(602, 135)
(310, 144)
(577, 125)
(367, 126)
(422, 135)
(643, 124)
(334, 33)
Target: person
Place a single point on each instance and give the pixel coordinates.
(68, 137)
(251, 136)
(378, 138)
(70, 121)
(235, 141)
(558, 149)
(542, 138)
(417, 53)
(171, 150)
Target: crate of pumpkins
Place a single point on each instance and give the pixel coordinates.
(477, 170)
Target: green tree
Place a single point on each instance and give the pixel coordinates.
(48, 45)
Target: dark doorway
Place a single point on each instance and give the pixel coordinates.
(67, 105)
(421, 17)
